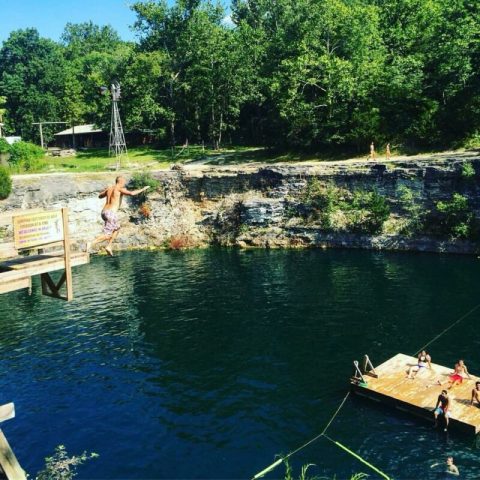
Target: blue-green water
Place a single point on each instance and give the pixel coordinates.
(206, 364)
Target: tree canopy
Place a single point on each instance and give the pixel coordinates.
(289, 73)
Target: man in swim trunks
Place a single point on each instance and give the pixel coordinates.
(451, 468)
(113, 199)
(476, 394)
(442, 408)
(423, 361)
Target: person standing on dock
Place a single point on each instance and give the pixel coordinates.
(424, 360)
(476, 394)
(442, 408)
(113, 199)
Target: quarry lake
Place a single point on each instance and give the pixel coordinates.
(208, 363)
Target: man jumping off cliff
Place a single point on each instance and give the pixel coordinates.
(113, 199)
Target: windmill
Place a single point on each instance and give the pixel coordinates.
(117, 145)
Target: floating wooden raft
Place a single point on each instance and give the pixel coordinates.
(388, 384)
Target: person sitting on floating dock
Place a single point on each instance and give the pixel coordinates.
(441, 408)
(423, 361)
(476, 394)
(113, 195)
(459, 373)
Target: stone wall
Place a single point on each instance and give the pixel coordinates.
(248, 206)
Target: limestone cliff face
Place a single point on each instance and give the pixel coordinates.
(251, 206)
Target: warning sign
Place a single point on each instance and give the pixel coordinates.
(35, 229)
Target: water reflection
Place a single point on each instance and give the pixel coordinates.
(206, 364)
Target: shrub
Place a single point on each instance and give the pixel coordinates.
(467, 170)
(415, 212)
(140, 180)
(179, 242)
(339, 209)
(145, 210)
(4, 146)
(456, 217)
(370, 210)
(25, 155)
(5, 183)
(62, 467)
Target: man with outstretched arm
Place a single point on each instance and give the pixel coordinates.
(113, 199)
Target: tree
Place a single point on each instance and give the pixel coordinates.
(32, 75)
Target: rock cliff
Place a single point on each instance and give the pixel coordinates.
(257, 206)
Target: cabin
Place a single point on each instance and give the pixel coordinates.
(82, 136)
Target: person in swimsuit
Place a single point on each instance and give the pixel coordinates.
(372, 154)
(387, 152)
(451, 468)
(476, 394)
(423, 361)
(459, 373)
(113, 199)
(442, 408)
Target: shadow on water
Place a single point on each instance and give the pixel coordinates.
(206, 364)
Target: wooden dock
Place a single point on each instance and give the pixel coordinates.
(419, 396)
(45, 232)
(16, 274)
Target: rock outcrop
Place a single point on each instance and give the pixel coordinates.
(252, 206)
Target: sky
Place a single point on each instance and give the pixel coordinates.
(49, 17)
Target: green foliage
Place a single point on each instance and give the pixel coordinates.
(61, 466)
(25, 155)
(4, 146)
(468, 171)
(140, 180)
(302, 73)
(415, 212)
(5, 183)
(456, 217)
(339, 209)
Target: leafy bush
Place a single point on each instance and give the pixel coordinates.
(25, 155)
(339, 209)
(60, 466)
(5, 183)
(456, 217)
(140, 180)
(467, 170)
(4, 146)
(414, 210)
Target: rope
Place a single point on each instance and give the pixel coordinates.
(463, 317)
(314, 439)
(358, 457)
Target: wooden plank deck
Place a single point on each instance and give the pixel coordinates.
(419, 396)
(16, 273)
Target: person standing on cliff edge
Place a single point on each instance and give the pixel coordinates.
(113, 199)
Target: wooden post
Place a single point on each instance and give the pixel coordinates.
(66, 249)
(41, 134)
(9, 462)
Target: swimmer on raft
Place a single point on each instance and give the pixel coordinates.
(424, 360)
(460, 372)
(442, 408)
(113, 199)
(476, 394)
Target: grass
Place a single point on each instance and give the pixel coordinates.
(148, 158)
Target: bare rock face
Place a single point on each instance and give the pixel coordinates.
(252, 207)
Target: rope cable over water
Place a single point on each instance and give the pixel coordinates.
(463, 317)
(337, 411)
(293, 452)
